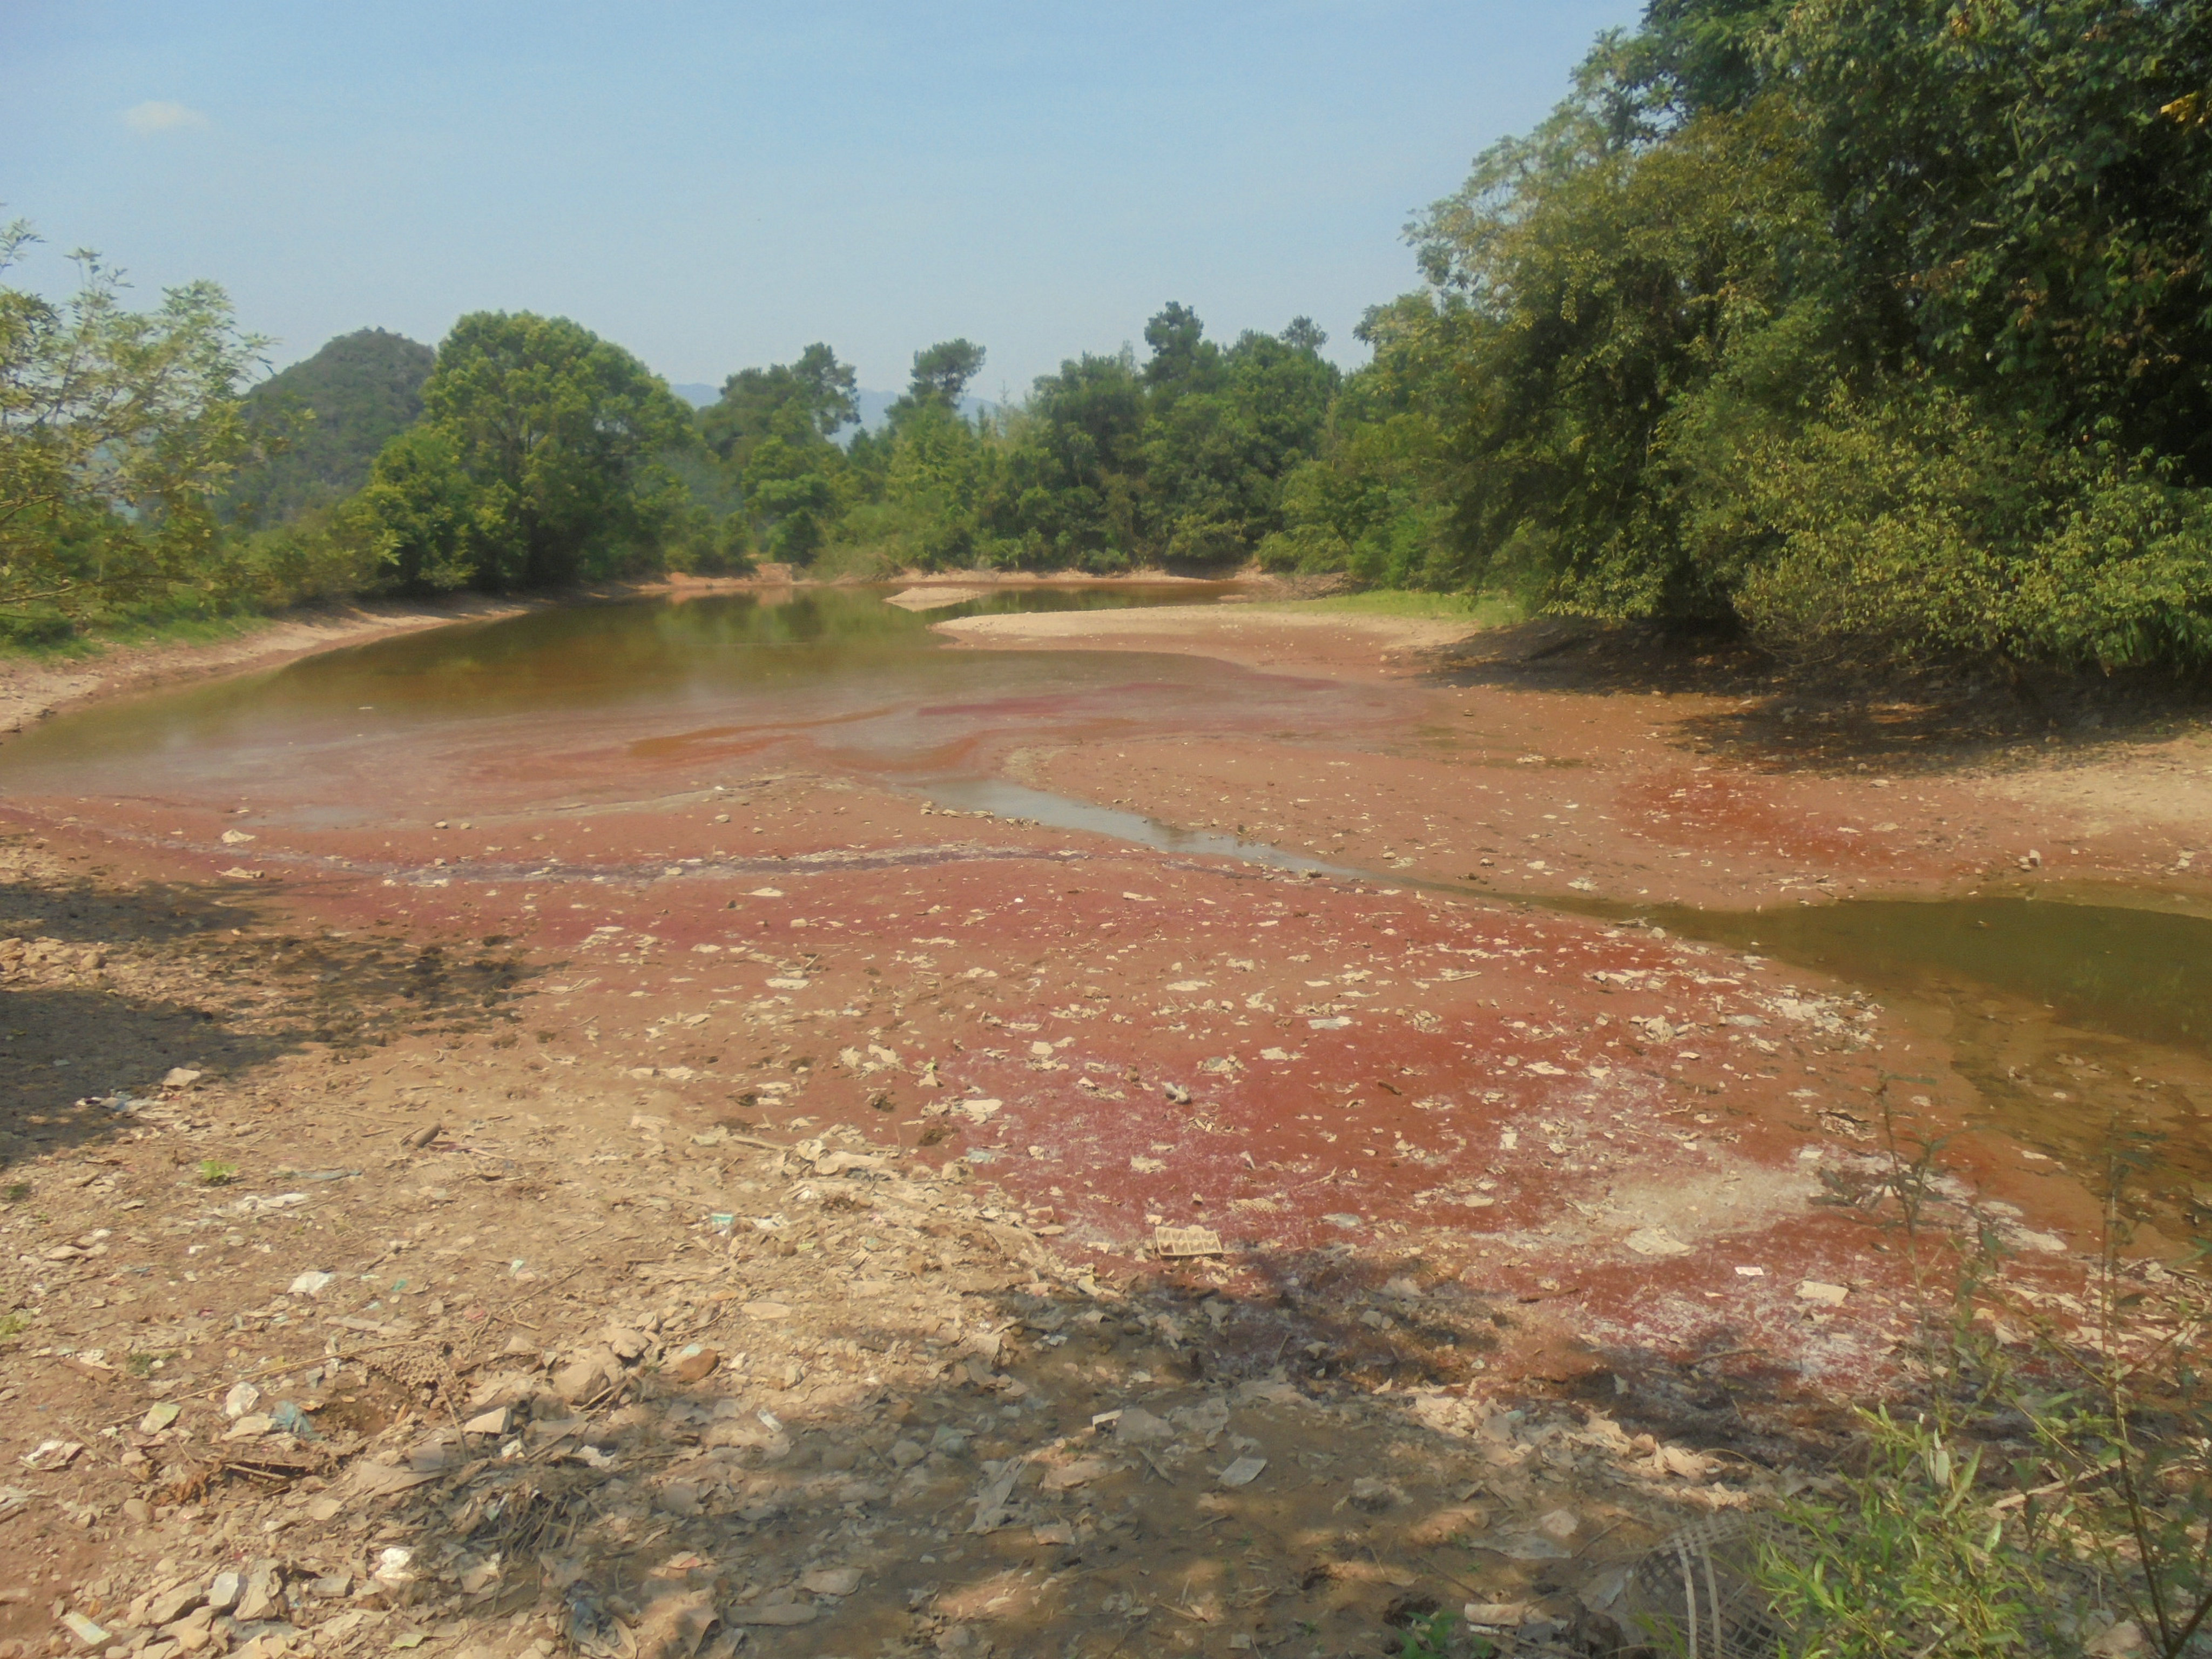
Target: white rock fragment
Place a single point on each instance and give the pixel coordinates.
(1656, 1242)
(1820, 1295)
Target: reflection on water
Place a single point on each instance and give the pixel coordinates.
(593, 699)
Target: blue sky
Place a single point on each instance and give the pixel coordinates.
(717, 186)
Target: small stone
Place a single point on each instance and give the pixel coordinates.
(1559, 1525)
(158, 1417)
(1243, 1472)
(1375, 1496)
(1820, 1295)
(179, 1076)
(1494, 1615)
(173, 1605)
(242, 1398)
(627, 1344)
(905, 1454)
(223, 1591)
(495, 1421)
(312, 1284)
(831, 1581)
(695, 1364)
(1139, 1427)
(1655, 1241)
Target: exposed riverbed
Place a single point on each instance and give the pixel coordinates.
(1265, 925)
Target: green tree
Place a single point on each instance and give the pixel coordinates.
(118, 429)
(813, 396)
(1225, 429)
(942, 373)
(552, 438)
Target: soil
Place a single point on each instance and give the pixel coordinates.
(738, 1222)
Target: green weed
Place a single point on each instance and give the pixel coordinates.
(214, 1172)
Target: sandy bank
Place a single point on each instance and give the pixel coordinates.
(1309, 642)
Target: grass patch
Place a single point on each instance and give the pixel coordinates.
(1483, 610)
(94, 635)
(216, 1173)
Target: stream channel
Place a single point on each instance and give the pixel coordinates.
(604, 702)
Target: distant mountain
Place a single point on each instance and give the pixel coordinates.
(360, 389)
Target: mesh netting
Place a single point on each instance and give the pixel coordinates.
(1696, 1594)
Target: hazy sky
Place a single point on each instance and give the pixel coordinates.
(716, 186)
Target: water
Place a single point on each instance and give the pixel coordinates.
(612, 701)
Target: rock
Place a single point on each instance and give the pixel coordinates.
(584, 1375)
(693, 1364)
(1559, 1525)
(831, 1581)
(223, 1593)
(167, 1608)
(627, 1344)
(1139, 1427)
(421, 1138)
(1820, 1295)
(678, 1497)
(495, 1421)
(1494, 1615)
(1655, 1241)
(242, 1398)
(261, 1598)
(158, 1417)
(179, 1076)
(84, 1629)
(1375, 1496)
(2121, 1640)
(1243, 1472)
(312, 1284)
(905, 1454)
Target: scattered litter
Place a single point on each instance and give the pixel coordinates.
(1170, 1241)
(51, 1455)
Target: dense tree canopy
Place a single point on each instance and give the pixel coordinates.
(537, 461)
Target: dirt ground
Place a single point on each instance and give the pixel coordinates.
(740, 1218)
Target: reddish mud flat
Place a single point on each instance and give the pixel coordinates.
(706, 830)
